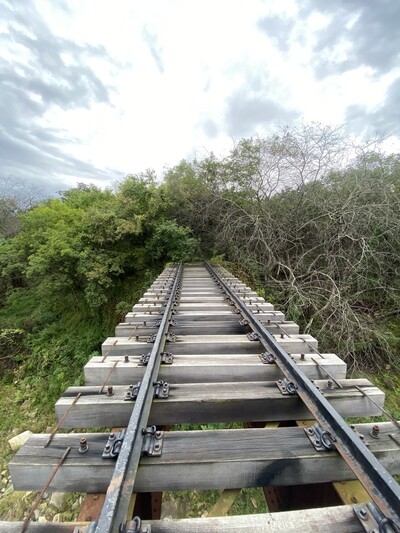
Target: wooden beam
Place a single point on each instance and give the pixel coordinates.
(341, 519)
(225, 501)
(351, 492)
(207, 344)
(191, 368)
(197, 403)
(217, 327)
(195, 460)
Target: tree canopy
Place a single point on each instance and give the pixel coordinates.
(309, 216)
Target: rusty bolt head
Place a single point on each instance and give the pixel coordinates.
(83, 445)
(110, 390)
(375, 431)
(302, 356)
(330, 384)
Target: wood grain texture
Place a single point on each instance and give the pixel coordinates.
(193, 327)
(195, 460)
(207, 344)
(214, 402)
(191, 368)
(332, 519)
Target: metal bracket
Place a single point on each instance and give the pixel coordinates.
(157, 323)
(286, 387)
(152, 441)
(173, 322)
(244, 322)
(152, 338)
(170, 337)
(360, 435)
(167, 358)
(144, 359)
(321, 440)
(161, 389)
(373, 520)
(134, 526)
(267, 358)
(132, 392)
(113, 446)
(252, 336)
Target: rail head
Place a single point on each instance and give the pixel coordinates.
(381, 486)
(116, 505)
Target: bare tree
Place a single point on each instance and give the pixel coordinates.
(16, 195)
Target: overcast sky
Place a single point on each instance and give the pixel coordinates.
(91, 90)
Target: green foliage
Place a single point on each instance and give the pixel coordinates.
(316, 236)
(12, 349)
(173, 242)
(312, 221)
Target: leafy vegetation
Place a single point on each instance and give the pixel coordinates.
(305, 216)
(313, 221)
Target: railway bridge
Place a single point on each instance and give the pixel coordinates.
(201, 347)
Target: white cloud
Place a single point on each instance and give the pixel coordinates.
(173, 69)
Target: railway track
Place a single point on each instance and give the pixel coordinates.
(202, 347)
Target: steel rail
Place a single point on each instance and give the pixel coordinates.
(380, 485)
(115, 508)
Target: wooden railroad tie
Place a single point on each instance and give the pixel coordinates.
(215, 370)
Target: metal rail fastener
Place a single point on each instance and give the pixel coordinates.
(380, 485)
(115, 508)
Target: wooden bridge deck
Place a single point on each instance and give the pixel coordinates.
(217, 376)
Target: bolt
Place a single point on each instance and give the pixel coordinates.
(302, 356)
(126, 358)
(282, 335)
(354, 499)
(110, 390)
(330, 384)
(107, 448)
(362, 513)
(375, 432)
(83, 445)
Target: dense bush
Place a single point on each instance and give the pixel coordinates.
(312, 219)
